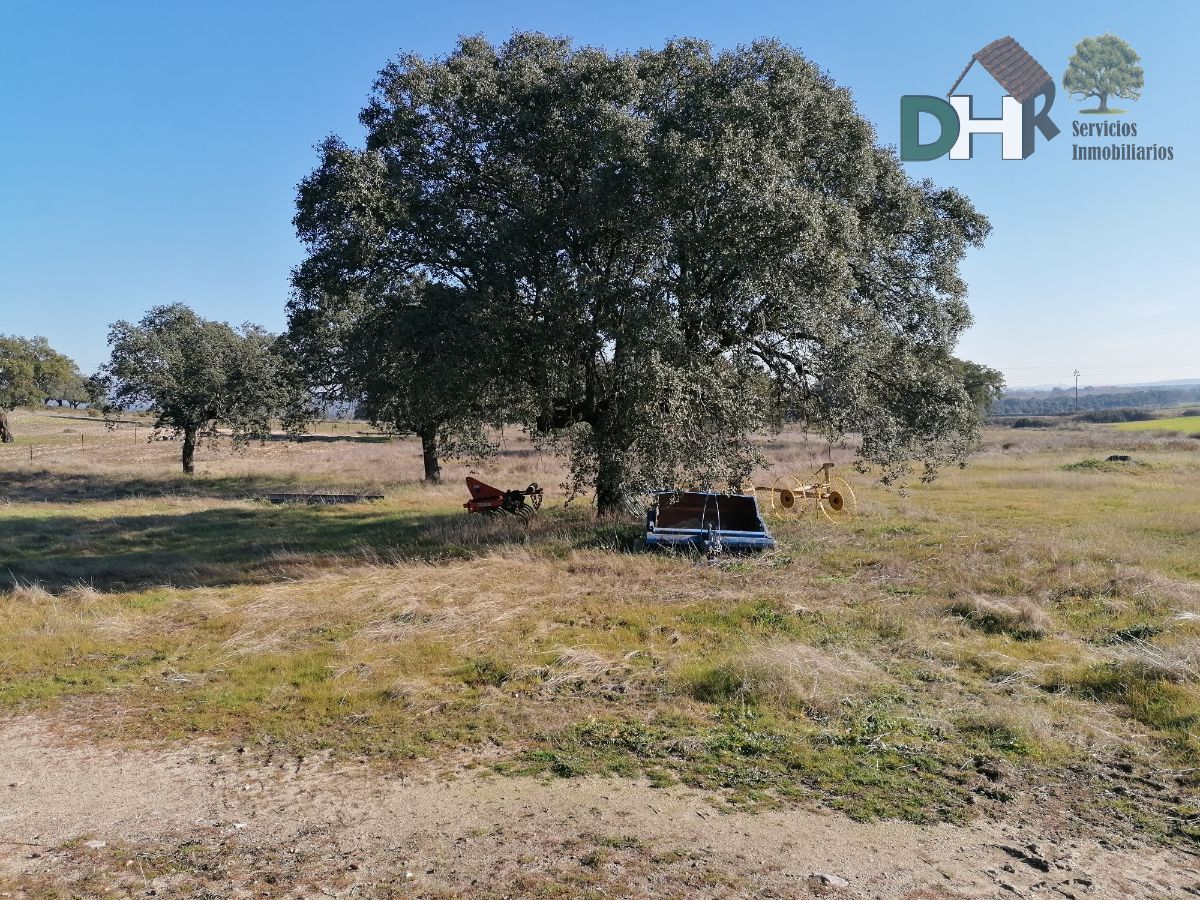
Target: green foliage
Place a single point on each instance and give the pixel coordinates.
(18, 373)
(1104, 66)
(31, 371)
(646, 240)
(483, 672)
(1184, 424)
(1108, 416)
(867, 764)
(995, 733)
(196, 375)
(410, 356)
(983, 385)
(1092, 464)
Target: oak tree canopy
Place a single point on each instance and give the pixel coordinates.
(654, 254)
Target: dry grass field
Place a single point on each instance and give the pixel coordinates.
(1014, 648)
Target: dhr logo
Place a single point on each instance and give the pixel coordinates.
(1024, 80)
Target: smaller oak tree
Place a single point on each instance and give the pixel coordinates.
(1104, 66)
(413, 354)
(197, 376)
(409, 358)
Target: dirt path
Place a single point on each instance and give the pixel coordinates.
(186, 823)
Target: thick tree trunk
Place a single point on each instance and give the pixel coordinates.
(429, 453)
(6, 435)
(189, 451)
(1103, 103)
(610, 484)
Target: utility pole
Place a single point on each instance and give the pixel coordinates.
(1076, 390)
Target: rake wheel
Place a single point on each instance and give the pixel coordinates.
(787, 496)
(836, 501)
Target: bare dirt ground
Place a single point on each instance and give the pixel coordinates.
(78, 819)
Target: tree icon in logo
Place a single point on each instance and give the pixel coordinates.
(1101, 67)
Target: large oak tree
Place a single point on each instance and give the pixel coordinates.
(645, 235)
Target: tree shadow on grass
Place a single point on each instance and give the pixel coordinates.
(26, 485)
(239, 545)
(358, 437)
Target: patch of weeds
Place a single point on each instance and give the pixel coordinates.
(621, 537)
(867, 764)
(620, 842)
(1109, 612)
(1187, 818)
(1135, 812)
(1139, 631)
(895, 530)
(483, 671)
(762, 616)
(901, 590)
(992, 732)
(1144, 692)
(711, 683)
(1091, 464)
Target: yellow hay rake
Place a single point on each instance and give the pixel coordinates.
(829, 496)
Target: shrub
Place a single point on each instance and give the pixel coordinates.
(1107, 416)
(484, 671)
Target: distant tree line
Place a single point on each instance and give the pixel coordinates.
(1064, 403)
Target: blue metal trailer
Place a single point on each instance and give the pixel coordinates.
(707, 521)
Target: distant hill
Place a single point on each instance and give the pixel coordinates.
(1042, 390)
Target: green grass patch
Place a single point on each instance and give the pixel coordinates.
(860, 765)
(1091, 464)
(1183, 424)
(1144, 692)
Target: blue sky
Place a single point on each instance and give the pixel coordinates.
(149, 153)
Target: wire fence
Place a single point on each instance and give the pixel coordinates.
(49, 449)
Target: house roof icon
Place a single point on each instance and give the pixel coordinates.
(1010, 64)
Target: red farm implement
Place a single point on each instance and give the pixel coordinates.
(493, 501)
